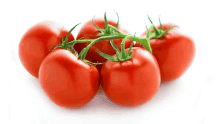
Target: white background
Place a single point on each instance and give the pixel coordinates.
(191, 99)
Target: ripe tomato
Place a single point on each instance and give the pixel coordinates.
(68, 81)
(174, 53)
(89, 31)
(36, 43)
(132, 82)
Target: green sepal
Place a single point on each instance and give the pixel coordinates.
(108, 31)
(101, 30)
(72, 48)
(64, 44)
(150, 19)
(61, 35)
(106, 56)
(129, 57)
(158, 33)
(91, 63)
(161, 27)
(57, 46)
(162, 33)
(116, 26)
(146, 26)
(66, 38)
(82, 54)
(106, 23)
(120, 56)
(114, 46)
(169, 29)
(130, 49)
(123, 54)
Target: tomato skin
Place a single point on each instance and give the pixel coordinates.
(89, 31)
(37, 41)
(132, 82)
(68, 81)
(174, 53)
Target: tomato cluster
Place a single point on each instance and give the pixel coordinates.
(70, 70)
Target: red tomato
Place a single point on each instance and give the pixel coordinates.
(68, 81)
(132, 82)
(89, 31)
(36, 43)
(174, 53)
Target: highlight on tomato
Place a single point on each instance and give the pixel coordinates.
(173, 51)
(71, 71)
(130, 77)
(174, 54)
(67, 80)
(37, 42)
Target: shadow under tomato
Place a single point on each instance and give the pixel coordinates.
(166, 89)
(102, 102)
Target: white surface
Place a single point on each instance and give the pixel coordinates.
(192, 99)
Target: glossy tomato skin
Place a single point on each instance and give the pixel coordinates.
(68, 81)
(174, 53)
(132, 82)
(89, 31)
(37, 41)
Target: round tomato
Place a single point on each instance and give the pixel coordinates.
(68, 81)
(89, 31)
(174, 53)
(36, 43)
(132, 82)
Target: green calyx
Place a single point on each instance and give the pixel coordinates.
(120, 55)
(70, 46)
(158, 33)
(64, 42)
(107, 31)
(110, 33)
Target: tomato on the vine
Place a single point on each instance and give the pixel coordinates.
(89, 31)
(68, 81)
(174, 53)
(132, 82)
(37, 42)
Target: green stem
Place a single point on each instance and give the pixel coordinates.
(85, 50)
(144, 41)
(157, 32)
(123, 45)
(119, 35)
(80, 41)
(117, 31)
(105, 38)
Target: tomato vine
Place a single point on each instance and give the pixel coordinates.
(110, 33)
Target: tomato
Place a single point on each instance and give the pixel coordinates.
(132, 82)
(37, 41)
(174, 53)
(68, 81)
(89, 31)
